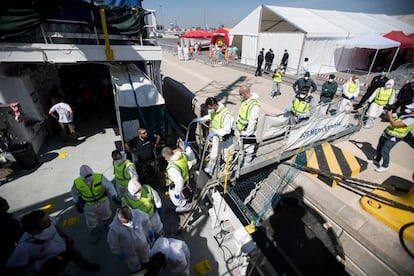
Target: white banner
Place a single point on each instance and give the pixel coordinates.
(317, 130)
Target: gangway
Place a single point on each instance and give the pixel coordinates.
(252, 192)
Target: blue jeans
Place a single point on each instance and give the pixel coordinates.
(384, 147)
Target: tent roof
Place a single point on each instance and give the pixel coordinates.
(197, 34)
(370, 41)
(406, 42)
(316, 23)
(222, 32)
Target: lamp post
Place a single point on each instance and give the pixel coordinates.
(162, 18)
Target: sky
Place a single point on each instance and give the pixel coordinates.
(213, 13)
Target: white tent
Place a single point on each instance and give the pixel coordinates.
(307, 33)
(372, 41)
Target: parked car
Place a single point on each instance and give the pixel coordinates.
(402, 74)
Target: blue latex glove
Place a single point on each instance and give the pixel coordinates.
(159, 211)
(196, 120)
(287, 110)
(121, 257)
(186, 144)
(301, 116)
(211, 135)
(353, 97)
(177, 196)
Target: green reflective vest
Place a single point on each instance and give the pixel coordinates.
(277, 77)
(399, 132)
(121, 172)
(244, 114)
(217, 119)
(181, 165)
(145, 203)
(93, 193)
(383, 96)
(300, 106)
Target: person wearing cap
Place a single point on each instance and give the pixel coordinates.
(397, 130)
(277, 81)
(285, 59)
(302, 82)
(303, 106)
(221, 132)
(146, 199)
(124, 171)
(89, 192)
(269, 57)
(174, 256)
(178, 176)
(382, 96)
(350, 91)
(247, 122)
(128, 237)
(329, 89)
(377, 81)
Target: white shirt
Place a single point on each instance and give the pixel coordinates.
(64, 110)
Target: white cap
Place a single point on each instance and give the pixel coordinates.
(133, 187)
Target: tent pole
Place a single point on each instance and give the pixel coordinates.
(372, 64)
(393, 59)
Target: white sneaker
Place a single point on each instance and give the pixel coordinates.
(381, 169)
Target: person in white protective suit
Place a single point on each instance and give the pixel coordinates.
(128, 237)
(221, 132)
(173, 253)
(350, 91)
(382, 97)
(146, 199)
(90, 193)
(178, 176)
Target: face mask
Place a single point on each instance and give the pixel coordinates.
(128, 224)
(118, 162)
(407, 111)
(306, 78)
(241, 98)
(302, 96)
(330, 80)
(47, 234)
(388, 86)
(210, 111)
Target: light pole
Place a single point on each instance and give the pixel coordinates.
(162, 18)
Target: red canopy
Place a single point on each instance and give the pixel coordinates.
(405, 40)
(221, 33)
(197, 34)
